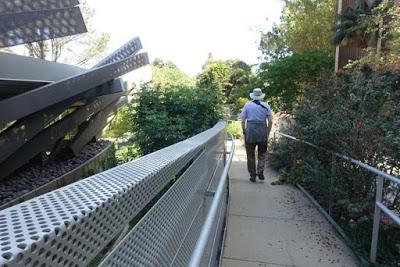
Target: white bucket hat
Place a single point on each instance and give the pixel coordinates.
(257, 94)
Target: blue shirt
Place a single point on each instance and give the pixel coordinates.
(253, 112)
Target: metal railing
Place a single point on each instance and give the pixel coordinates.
(379, 206)
(219, 197)
(75, 224)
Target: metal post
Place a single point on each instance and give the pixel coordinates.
(333, 169)
(225, 143)
(377, 217)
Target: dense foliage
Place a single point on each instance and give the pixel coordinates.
(167, 74)
(234, 128)
(216, 76)
(353, 24)
(286, 79)
(365, 23)
(377, 27)
(231, 78)
(161, 116)
(164, 111)
(164, 116)
(357, 115)
(298, 51)
(305, 25)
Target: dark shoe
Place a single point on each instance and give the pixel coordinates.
(261, 176)
(253, 179)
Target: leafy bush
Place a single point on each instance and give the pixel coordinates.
(286, 79)
(165, 111)
(357, 115)
(234, 128)
(160, 116)
(126, 152)
(239, 104)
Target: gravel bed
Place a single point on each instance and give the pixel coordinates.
(32, 176)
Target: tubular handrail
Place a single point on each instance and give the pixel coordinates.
(379, 206)
(201, 243)
(344, 157)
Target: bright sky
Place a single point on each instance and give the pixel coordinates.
(185, 31)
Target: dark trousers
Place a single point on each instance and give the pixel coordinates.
(251, 157)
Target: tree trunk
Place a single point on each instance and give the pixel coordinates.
(41, 50)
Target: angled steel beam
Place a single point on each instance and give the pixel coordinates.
(22, 105)
(28, 27)
(95, 126)
(10, 88)
(129, 49)
(25, 129)
(29, 5)
(21, 68)
(53, 133)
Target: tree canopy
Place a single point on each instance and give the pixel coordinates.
(166, 74)
(305, 25)
(229, 77)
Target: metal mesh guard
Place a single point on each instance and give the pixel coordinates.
(70, 226)
(167, 234)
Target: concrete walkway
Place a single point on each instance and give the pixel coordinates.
(276, 225)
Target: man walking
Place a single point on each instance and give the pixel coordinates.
(256, 124)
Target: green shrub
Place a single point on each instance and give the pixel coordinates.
(160, 116)
(126, 153)
(235, 129)
(165, 117)
(286, 79)
(357, 115)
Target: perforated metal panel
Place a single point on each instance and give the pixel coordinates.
(28, 27)
(9, 6)
(70, 226)
(129, 49)
(168, 233)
